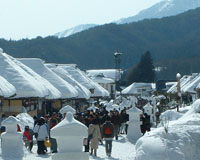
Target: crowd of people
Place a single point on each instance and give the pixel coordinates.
(102, 125)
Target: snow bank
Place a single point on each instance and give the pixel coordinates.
(170, 115)
(25, 120)
(180, 142)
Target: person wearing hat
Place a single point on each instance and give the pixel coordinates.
(41, 131)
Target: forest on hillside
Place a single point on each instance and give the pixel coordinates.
(172, 41)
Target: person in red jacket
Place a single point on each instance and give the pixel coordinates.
(28, 138)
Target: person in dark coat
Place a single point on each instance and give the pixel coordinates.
(108, 134)
(124, 117)
(115, 119)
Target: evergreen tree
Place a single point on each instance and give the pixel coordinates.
(144, 71)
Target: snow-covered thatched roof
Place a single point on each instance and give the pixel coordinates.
(83, 79)
(26, 85)
(66, 89)
(101, 79)
(191, 86)
(6, 89)
(53, 93)
(109, 73)
(82, 91)
(198, 86)
(184, 82)
(133, 88)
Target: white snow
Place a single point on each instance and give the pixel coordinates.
(164, 8)
(83, 79)
(133, 88)
(6, 89)
(108, 73)
(178, 139)
(190, 88)
(82, 91)
(67, 109)
(66, 89)
(102, 80)
(25, 120)
(53, 93)
(181, 141)
(74, 30)
(26, 85)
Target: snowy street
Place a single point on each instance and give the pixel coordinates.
(175, 139)
(122, 149)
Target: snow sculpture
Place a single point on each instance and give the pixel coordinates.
(11, 141)
(69, 134)
(148, 109)
(133, 100)
(67, 109)
(134, 130)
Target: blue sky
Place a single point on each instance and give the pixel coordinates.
(31, 18)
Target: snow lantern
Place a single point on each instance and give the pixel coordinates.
(148, 109)
(134, 130)
(11, 141)
(67, 109)
(133, 100)
(69, 134)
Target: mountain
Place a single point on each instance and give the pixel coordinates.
(172, 41)
(74, 30)
(163, 9)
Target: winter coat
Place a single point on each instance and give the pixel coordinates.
(115, 119)
(124, 117)
(96, 135)
(27, 135)
(107, 125)
(42, 132)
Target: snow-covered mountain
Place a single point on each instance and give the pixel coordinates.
(74, 30)
(163, 9)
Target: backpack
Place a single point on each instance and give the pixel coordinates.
(108, 131)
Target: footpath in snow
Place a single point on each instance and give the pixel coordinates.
(122, 150)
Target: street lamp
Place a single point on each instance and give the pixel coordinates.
(117, 57)
(178, 76)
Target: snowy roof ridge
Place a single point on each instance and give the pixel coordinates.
(26, 85)
(132, 89)
(185, 82)
(83, 79)
(192, 85)
(66, 89)
(6, 88)
(53, 93)
(82, 91)
(109, 73)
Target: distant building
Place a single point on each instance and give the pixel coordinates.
(139, 89)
